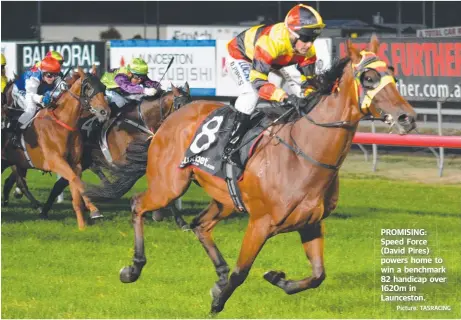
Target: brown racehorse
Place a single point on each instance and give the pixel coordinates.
(18, 174)
(290, 183)
(150, 114)
(53, 142)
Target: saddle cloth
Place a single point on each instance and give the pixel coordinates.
(207, 146)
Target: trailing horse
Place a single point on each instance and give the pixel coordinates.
(53, 143)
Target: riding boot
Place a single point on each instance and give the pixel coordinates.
(16, 130)
(239, 128)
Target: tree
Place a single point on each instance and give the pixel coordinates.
(111, 34)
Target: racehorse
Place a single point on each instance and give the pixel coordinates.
(18, 175)
(53, 143)
(291, 181)
(128, 135)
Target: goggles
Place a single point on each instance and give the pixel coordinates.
(139, 77)
(50, 75)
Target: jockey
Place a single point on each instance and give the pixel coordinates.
(62, 84)
(4, 78)
(131, 83)
(52, 54)
(34, 87)
(261, 49)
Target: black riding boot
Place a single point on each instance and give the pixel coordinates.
(239, 128)
(15, 128)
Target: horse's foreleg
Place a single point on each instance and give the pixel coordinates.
(58, 188)
(255, 236)
(312, 240)
(21, 183)
(203, 225)
(61, 167)
(153, 198)
(94, 211)
(8, 185)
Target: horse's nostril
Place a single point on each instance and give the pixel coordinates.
(103, 112)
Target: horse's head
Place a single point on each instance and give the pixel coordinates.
(90, 92)
(376, 89)
(181, 96)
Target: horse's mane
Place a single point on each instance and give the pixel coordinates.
(325, 83)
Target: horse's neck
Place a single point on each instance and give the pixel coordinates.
(156, 110)
(330, 145)
(68, 109)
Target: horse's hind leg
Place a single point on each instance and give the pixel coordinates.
(202, 226)
(58, 188)
(312, 240)
(178, 219)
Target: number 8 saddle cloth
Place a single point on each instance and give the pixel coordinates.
(206, 149)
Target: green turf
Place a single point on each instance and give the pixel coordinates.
(52, 270)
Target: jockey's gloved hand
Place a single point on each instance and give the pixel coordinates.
(46, 99)
(150, 91)
(294, 101)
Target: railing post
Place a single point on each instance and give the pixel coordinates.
(375, 148)
(439, 124)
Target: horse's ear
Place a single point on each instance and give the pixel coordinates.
(353, 52)
(374, 44)
(175, 90)
(93, 70)
(186, 87)
(80, 72)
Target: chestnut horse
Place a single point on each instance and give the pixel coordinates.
(290, 183)
(125, 139)
(53, 142)
(151, 113)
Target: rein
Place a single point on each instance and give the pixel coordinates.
(84, 101)
(364, 104)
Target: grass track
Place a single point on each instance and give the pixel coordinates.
(51, 270)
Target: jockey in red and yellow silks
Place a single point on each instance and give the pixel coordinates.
(257, 51)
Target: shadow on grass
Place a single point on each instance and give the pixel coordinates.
(19, 211)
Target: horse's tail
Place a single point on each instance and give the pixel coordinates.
(122, 177)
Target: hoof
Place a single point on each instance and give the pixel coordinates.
(96, 215)
(186, 227)
(127, 275)
(42, 216)
(5, 203)
(216, 307)
(157, 216)
(274, 276)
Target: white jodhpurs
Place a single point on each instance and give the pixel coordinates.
(240, 73)
(26, 103)
(116, 98)
(248, 98)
